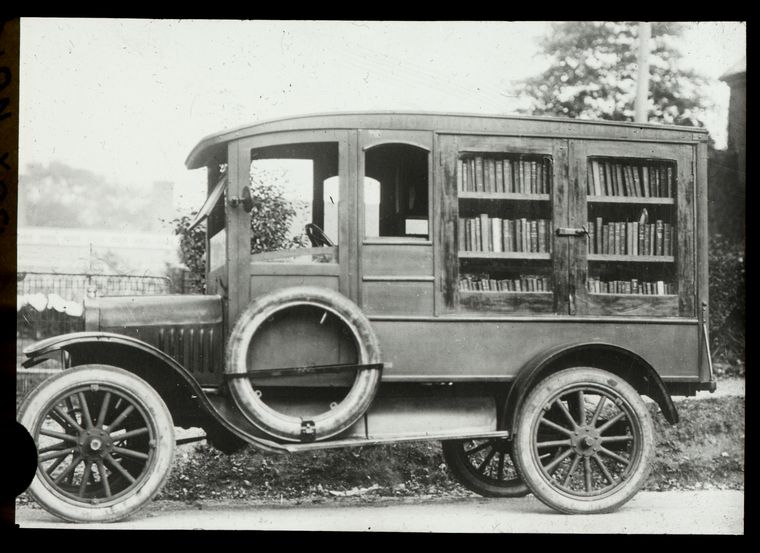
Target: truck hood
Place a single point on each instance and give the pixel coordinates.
(142, 311)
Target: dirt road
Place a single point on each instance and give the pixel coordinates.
(678, 512)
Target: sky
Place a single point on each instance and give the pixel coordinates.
(128, 99)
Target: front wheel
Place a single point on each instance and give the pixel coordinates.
(105, 443)
(584, 441)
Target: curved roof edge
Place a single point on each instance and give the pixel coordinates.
(208, 146)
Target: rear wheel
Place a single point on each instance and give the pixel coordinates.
(584, 442)
(105, 443)
(484, 466)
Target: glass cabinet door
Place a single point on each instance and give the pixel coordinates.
(498, 232)
(635, 202)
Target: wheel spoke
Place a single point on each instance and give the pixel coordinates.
(59, 435)
(130, 453)
(70, 469)
(555, 426)
(477, 448)
(104, 478)
(587, 473)
(130, 434)
(59, 419)
(55, 454)
(115, 424)
(85, 410)
(565, 412)
(610, 422)
(581, 408)
(615, 456)
(103, 408)
(481, 469)
(598, 410)
(553, 443)
(115, 464)
(85, 479)
(54, 466)
(56, 447)
(626, 438)
(602, 466)
(500, 468)
(557, 460)
(571, 470)
(72, 423)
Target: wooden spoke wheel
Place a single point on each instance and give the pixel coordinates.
(484, 466)
(105, 443)
(585, 441)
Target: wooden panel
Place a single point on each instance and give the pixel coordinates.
(397, 260)
(448, 222)
(686, 252)
(561, 244)
(314, 269)
(398, 298)
(261, 284)
(703, 288)
(476, 348)
(513, 302)
(634, 304)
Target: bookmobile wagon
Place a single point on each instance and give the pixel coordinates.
(509, 286)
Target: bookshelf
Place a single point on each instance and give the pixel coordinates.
(631, 207)
(504, 232)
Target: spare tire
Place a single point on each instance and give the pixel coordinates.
(342, 414)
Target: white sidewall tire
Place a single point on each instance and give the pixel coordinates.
(151, 404)
(532, 409)
(341, 416)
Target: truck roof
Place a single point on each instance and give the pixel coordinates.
(212, 146)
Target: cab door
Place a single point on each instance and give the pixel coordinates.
(295, 179)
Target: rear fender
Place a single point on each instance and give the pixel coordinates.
(620, 361)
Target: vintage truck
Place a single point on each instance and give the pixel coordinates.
(510, 286)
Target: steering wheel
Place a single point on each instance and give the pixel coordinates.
(317, 236)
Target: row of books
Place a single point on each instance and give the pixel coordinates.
(484, 283)
(650, 288)
(610, 178)
(496, 174)
(630, 238)
(494, 234)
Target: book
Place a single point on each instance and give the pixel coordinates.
(645, 182)
(477, 238)
(619, 184)
(658, 237)
(548, 176)
(669, 182)
(591, 238)
(628, 178)
(488, 179)
(667, 232)
(497, 239)
(485, 234)
(599, 236)
(479, 184)
(605, 239)
(532, 236)
(597, 178)
(460, 175)
(533, 178)
(518, 236)
(640, 249)
(525, 235)
(621, 238)
(521, 175)
(507, 169)
(608, 188)
(542, 235)
(540, 176)
(508, 235)
(499, 176)
(637, 181)
(634, 238)
(461, 235)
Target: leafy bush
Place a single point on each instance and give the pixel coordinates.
(727, 301)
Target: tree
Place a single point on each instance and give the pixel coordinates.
(272, 219)
(592, 75)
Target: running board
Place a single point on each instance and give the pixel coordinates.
(355, 442)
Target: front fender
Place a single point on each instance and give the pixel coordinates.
(179, 389)
(625, 363)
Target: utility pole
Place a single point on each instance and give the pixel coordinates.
(642, 83)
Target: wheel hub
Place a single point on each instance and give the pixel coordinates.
(95, 443)
(586, 440)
